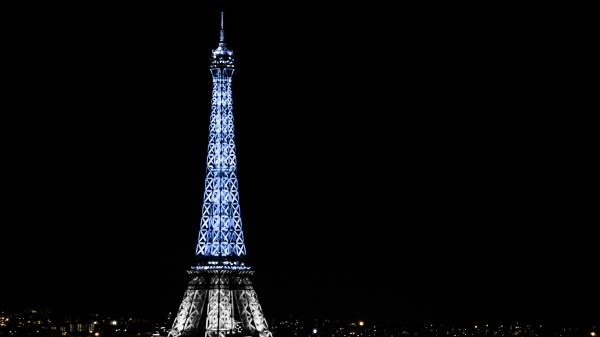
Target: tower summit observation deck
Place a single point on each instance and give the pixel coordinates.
(221, 282)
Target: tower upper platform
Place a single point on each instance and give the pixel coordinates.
(221, 56)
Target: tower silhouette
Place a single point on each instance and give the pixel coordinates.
(221, 282)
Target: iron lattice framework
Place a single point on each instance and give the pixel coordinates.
(221, 282)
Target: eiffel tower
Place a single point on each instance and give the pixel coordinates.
(221, 282)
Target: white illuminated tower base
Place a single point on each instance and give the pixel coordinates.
(220, 300)
(230, 303)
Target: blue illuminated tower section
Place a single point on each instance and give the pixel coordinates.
(220, 299)
(221, 225)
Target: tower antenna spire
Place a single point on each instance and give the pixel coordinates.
(222, 36)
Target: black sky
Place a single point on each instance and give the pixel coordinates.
(415, 162)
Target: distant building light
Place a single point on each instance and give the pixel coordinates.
(96, 334)
(314, 330)
(593, 333)
(113, 322)
(361, 323)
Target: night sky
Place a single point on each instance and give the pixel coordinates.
(395, 163)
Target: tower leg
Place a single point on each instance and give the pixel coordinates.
(190, 311)
(219, 319)
(258, 319)
(241, 300)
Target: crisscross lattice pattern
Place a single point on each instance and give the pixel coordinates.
(221, 225)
